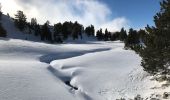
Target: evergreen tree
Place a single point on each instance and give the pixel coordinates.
(156, 52)
(37, 30)
(115, 36)
(33, 22)
(77, 29)
(58, 33)
(67, 29)
(99, 35)
(106, 35)
(90, 30)
(20, 20)
(132, 38)
(3, 32)
(46, 33)
(142, 34)
(122, 35)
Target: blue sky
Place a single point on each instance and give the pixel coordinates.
(110, 14)
(139, 12)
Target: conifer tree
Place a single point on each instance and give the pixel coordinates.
(132, 38)
(106, 35)
(3, 32)
(20, 20)
(156, 52)
(46, 33)
(99, 35)
(58, 32)
(122, 35)
(90, 30)
(115, 36)
(77, 29)
(142, 34)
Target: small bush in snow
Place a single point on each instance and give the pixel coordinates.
(138, 97)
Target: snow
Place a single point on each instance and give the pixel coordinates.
(93, 71)
(79, 70)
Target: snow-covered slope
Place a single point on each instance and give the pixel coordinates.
(90, 71)
(13, 32)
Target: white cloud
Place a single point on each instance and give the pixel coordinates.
(116, 24)
(85, 12)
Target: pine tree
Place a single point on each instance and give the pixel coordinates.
(67, 29)
(3, 32)
(156, 52)
(20, 20)
(142, 34)
(122, 35)
(90, 30)
(132, 39)
(37, 30)
(106, 35)
(46, 33)
(115, 36)
(33, 22)
(77, 29)
(57, 33)
(99, 35)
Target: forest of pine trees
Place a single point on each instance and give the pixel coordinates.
(57, 33)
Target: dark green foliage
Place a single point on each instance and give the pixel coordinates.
(77, 30)
(156, 50)
(20, 20)
(99, 35)
(46, 33)
(67, 29)
(142, 34)
(132, 38)
(34, 26)
(37, 30)
(122, 35)
(63, 31)
(90, 30)
(115, 36)
(107, 35)
(3, 32)
(57, 35)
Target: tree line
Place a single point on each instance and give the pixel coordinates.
(56, 33)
